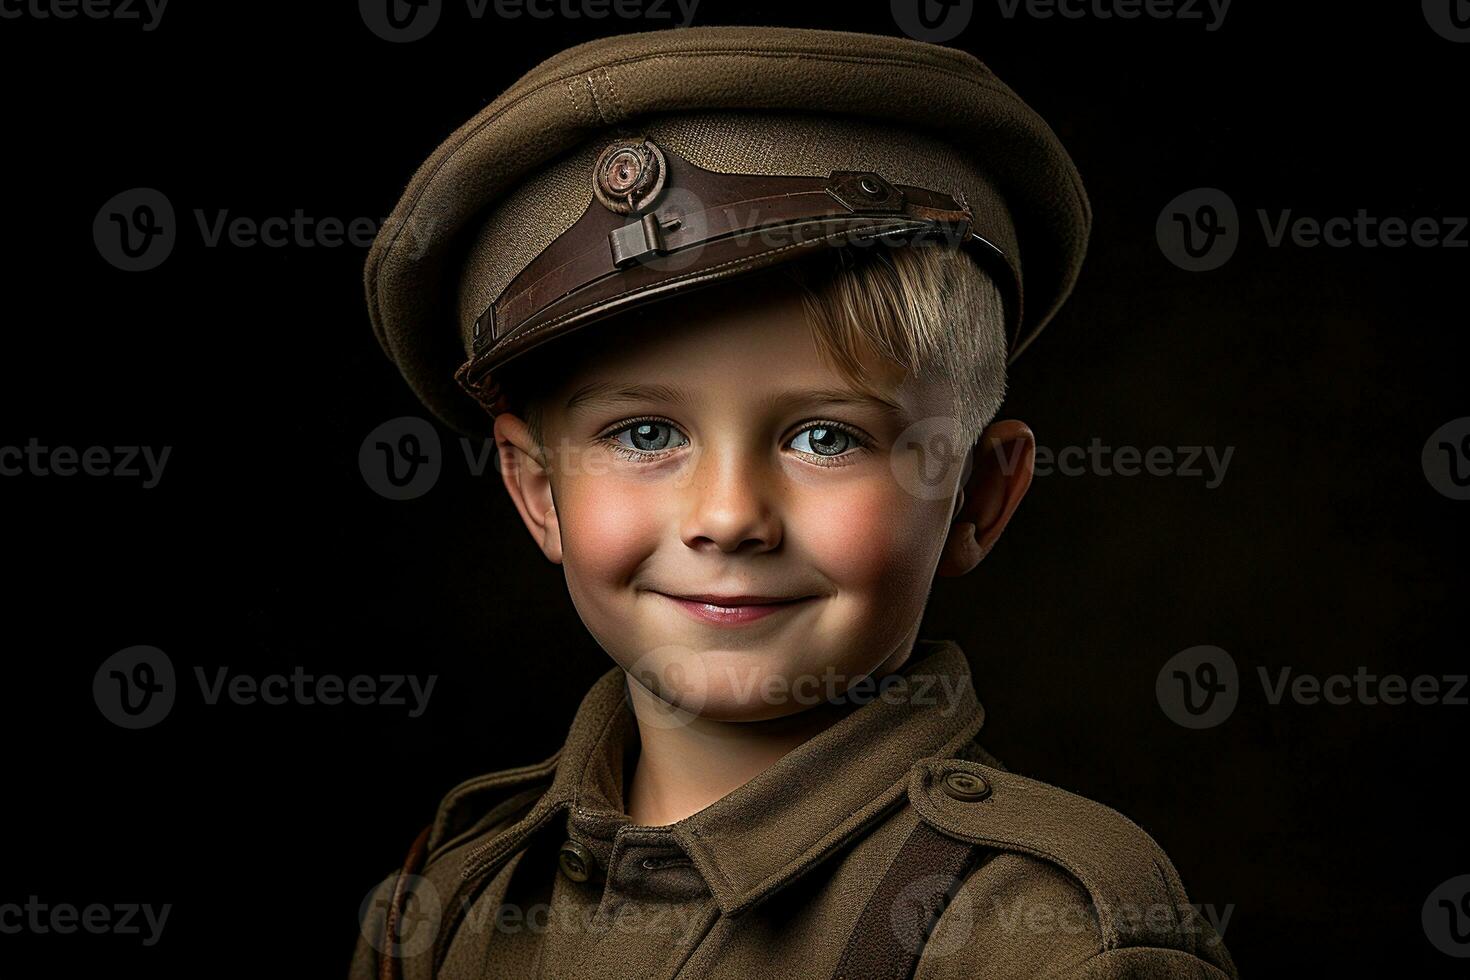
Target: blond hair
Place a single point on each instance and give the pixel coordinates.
(930, 309)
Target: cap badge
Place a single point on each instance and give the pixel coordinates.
(629, 175)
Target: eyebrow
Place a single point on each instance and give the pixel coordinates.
(607, 393)
(604, 392)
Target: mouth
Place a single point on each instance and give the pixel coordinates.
(735, 610)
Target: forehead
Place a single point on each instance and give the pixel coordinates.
(747, 338)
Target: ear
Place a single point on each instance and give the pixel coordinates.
(998, 476)
(528, 481)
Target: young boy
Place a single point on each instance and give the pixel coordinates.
(739, 301)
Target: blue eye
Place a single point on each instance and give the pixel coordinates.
(649, 436)
(823, 440)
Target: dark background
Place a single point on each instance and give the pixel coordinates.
(1325, 548)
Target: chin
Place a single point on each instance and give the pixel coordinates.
(749, 706)
(723, 684)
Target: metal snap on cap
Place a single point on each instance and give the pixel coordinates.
(966, 787)
(864, 192)
(575, 860)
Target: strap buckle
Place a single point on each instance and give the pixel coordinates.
(637, 240)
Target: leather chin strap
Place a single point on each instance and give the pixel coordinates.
(703, 227)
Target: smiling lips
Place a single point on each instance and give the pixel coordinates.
(734, 610)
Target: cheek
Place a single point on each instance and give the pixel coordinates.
(607, 528)
(872, 536)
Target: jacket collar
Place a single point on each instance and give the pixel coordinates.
(783, 822)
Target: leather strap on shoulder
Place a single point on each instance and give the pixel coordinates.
(390, 965)
(1135, 891)
(895, 924)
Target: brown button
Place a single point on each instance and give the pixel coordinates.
(966, 786)
(576, 861)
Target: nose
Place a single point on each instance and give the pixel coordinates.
(733, 503)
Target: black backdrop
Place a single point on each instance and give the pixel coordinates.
(1323, 829)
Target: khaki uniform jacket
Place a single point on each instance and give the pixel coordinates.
(889, 845)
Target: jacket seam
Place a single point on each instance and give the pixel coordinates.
(1211, 969)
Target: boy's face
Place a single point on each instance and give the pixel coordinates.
(726, 507)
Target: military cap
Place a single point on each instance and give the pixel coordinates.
(639, 166)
